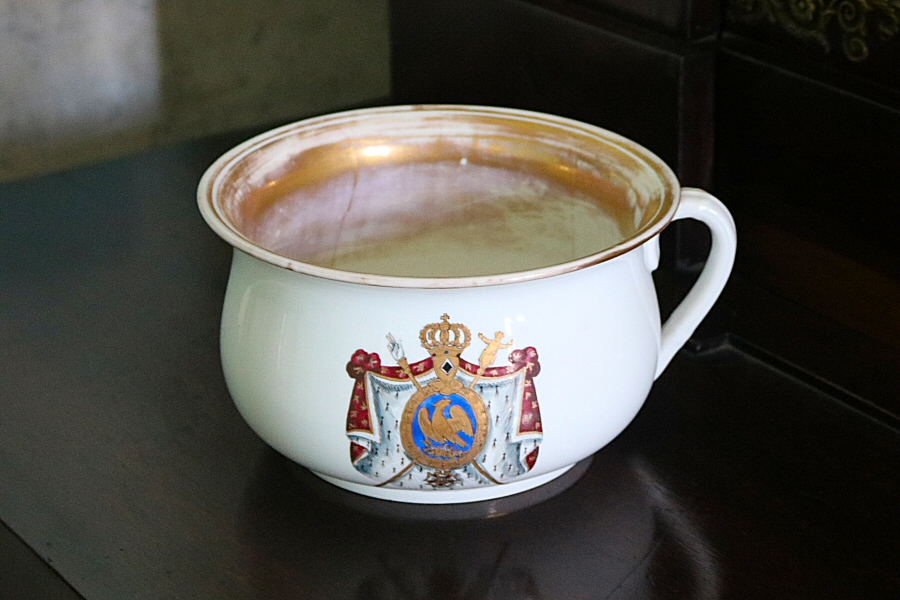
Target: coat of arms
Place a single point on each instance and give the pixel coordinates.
(444, 422)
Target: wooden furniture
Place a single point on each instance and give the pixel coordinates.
(789, 111)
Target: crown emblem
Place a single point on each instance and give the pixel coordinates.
(427, 425)
(445, 338)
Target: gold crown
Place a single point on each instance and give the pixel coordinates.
(445, 338)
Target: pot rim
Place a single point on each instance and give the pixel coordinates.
(208, 199)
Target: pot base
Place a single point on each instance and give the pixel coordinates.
(446, 496)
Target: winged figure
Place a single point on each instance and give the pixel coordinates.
(443, 429)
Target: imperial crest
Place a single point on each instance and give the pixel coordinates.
(444, 422)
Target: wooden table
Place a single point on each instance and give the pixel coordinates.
(126, 472)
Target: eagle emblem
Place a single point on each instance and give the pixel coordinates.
(444, 422)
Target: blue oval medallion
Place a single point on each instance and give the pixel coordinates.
(444, 426)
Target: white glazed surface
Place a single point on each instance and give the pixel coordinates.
(287, 337)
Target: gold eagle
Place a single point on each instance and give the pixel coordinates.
(442, 429)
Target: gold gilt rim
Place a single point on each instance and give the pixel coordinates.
(208, 198)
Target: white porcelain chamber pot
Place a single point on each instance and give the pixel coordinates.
(441, 304)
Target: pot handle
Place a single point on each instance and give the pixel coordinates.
(700, 205)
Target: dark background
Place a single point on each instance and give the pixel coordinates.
(764, 464)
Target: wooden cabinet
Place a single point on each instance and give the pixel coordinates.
(789, 111)
(565, 59)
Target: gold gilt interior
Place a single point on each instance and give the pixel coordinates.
(442, 192)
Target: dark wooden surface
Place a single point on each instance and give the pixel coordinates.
(561, 58)
(808, 160)
(25, 575)
(687, 19)
(749, 473)
(812, 153)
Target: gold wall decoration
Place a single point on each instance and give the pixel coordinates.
(858, 23)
